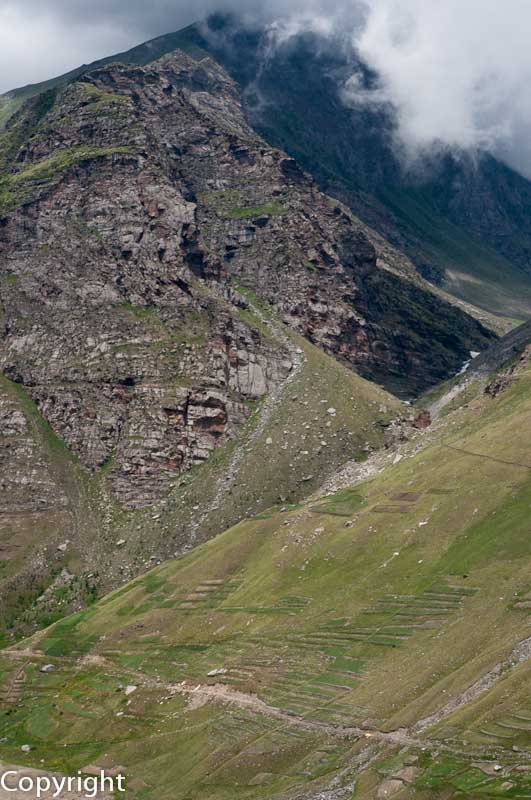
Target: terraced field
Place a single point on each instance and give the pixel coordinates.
(371, 643)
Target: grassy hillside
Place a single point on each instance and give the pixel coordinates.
(288, 446)
(47, 498)
(373, 641)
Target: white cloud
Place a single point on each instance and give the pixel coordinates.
(458, 72)
(39, 45)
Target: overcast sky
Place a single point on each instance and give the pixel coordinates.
(457, 71)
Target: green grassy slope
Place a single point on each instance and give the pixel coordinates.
(49, 498)
(314, 644)
(279, 457)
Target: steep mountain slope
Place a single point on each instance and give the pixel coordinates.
(463, 221)
(373, 642)
(165, 278)
(308, 244)
(46, 501)
(65, 539)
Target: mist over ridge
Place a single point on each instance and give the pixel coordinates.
(456, 73)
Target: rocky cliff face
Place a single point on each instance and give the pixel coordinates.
(462, 221)
(133, 362)
(137, 209)
(26, 484)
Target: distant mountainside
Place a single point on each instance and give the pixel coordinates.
(465, 225)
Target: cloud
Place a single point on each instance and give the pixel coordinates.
(456, 72)
(38, 45)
